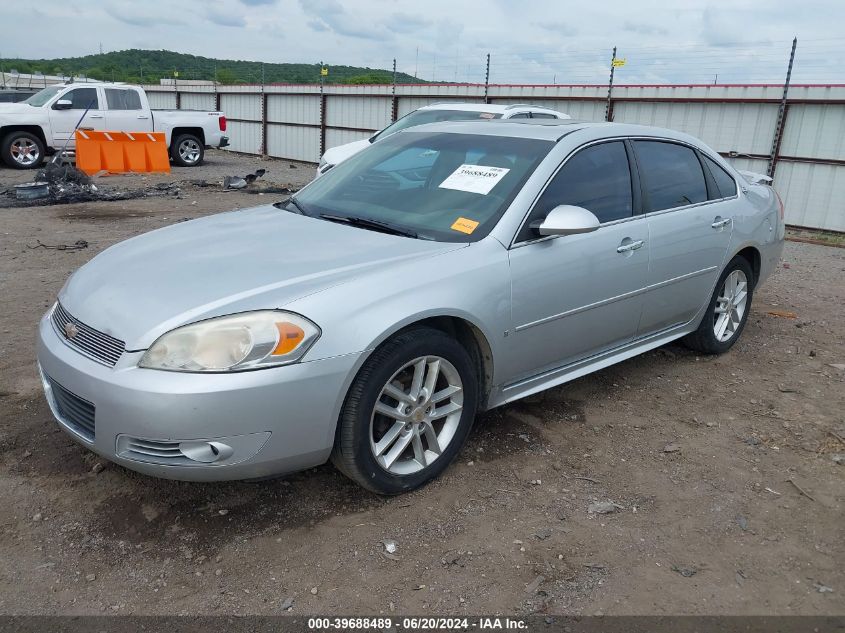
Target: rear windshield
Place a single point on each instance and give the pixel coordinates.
(441, 186)
(419, 117)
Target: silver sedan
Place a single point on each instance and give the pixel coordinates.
(447, 270)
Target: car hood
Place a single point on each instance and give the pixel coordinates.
(253, 259)
(16, 108)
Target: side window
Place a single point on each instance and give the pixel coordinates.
(542, 115)
(724, 181)
(671, 174)
(82, 98)
(597, 178)
(121, 99)
(520, 115)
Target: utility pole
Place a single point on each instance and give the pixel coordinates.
(773, 156)
(487, 81)
(607, 111)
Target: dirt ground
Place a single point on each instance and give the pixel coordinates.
(729, 498)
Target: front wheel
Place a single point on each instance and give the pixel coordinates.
(727, 312)
(187, 150)
(22, 150)
(408, 412)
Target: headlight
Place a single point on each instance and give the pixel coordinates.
(251, 340)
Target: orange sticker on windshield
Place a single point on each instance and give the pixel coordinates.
(464, 225)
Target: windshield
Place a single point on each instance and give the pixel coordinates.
(446, 187)
(43, 96)
(419, 117)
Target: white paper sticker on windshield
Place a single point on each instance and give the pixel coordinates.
(474, 178)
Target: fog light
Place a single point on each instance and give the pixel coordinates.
(206, 452)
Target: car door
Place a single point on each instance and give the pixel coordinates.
(63, 122)
(690, 226)
(578, 295)
(124, 111)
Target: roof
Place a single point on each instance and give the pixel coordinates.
(547, 129)
(496, 108)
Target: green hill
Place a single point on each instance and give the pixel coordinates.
(142, 66)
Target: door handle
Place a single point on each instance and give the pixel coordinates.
(719, 222)
(95, 116)
(627, 247)
(143, 116)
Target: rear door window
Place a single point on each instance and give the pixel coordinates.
(725, 183)
(671, 174)
(542, 115)
(122, 99)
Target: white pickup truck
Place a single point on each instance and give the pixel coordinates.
(44, 123)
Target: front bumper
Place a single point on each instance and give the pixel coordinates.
(271, 421)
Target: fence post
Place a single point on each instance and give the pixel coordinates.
(782, 111)
(394, 103)
(322, 113)
(608, 111)
(487, 81)
(263, 122)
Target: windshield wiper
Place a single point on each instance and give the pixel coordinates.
(367, 223)
(283, 204)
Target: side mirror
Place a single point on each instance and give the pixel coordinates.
(63, 104)
(568, 220)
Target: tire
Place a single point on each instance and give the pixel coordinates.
(187, 150)
(418, 456)
(22, 150)
(707, 338)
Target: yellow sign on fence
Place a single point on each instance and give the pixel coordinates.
(618, 62)
(324, 71)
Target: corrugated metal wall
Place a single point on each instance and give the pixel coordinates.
(737, 121)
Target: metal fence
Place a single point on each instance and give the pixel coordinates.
(804, 149)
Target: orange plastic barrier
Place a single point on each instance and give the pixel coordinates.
(119, 152)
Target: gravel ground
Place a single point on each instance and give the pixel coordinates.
(727, 498)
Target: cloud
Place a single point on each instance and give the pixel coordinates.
(406, 23)
(256, 3)
(644, 29)
(329, 15)
(559, 28)
(226, 18)
(133, 16)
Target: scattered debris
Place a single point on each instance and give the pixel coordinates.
(774, 492)
(234, 182)
(313, 591)
(98, 468)
(534, 585)
(32, 190)
(839, 366)
(603, 507)
(287, 604)
(783, 314)
(542, 535)
(800, 489)
(91, 577)
(672, 447)
(590, 479)
(76, 246)
(742, 522)
(838, 458)
(390, 549)
(740, 577)
(37, 517)
(822, 588)
(686, 572)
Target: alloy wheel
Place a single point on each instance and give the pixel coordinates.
(24, 151)
(189, 150)
(416, 415)
(730, 306)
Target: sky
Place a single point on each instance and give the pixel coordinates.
(530, 41)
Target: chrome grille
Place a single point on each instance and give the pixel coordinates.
(94, 343)
(74, 412)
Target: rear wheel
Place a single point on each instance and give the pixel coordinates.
(407, 413)
(187, 150)
(22, 150)
(728, 310)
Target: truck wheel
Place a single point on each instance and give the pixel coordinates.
(22, 150)
(187, 150)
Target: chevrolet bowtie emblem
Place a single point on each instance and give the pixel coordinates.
(71, 330)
